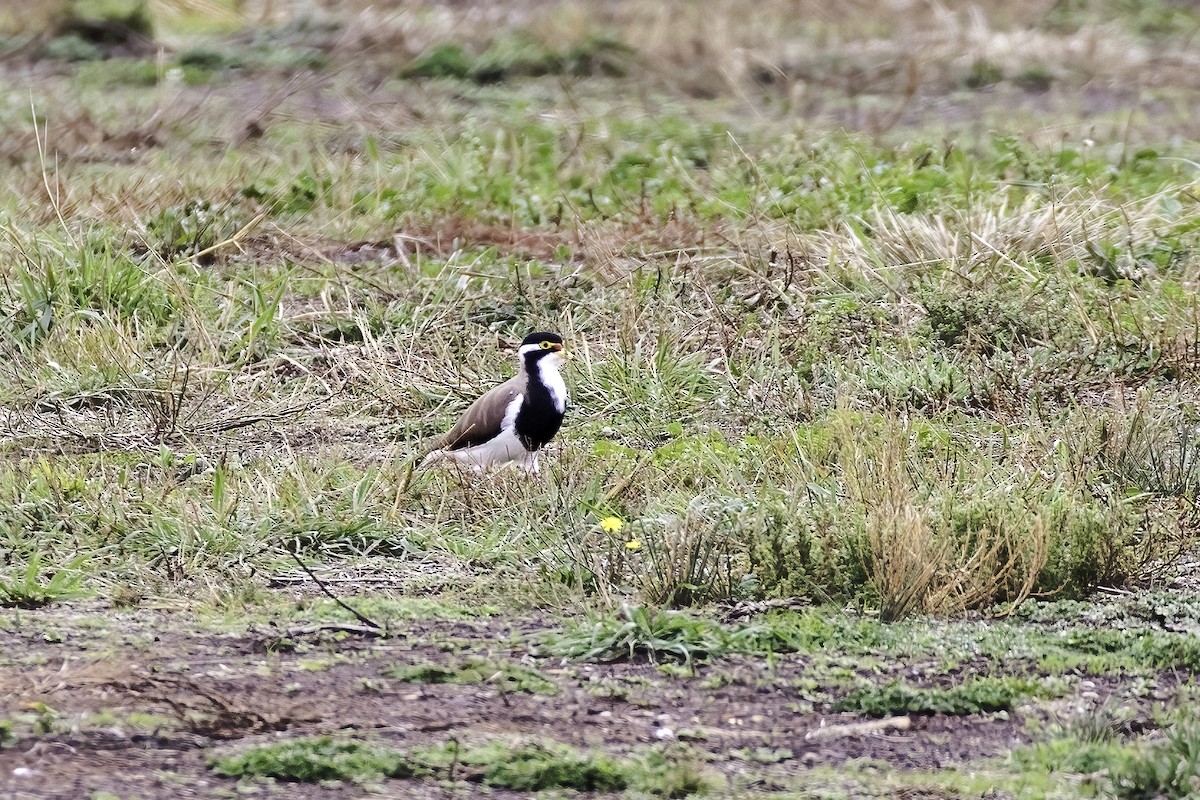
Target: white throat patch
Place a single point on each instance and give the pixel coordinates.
(547, 368)
(548, 371)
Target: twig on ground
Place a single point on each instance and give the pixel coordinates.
(325, 590)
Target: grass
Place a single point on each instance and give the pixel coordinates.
(1169, 768)
(509, 677)
(853, 485)
(653, 635)
(534, 766)
(1163, 766)
(894, 314)
(979, 695)
(319, 759)
(30, 589)
(989, 666)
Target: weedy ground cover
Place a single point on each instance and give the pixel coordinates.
(893, 314)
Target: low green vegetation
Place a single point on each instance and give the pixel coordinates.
(507, 677)
(7, 736)
(926, 439)
(1167, 768)
(318, 759)
(534, 766)
(1052, 638)
(1164, 765)
(30, 588)
(520, 55)
(882, 314)
(653, 635)
(973, 696)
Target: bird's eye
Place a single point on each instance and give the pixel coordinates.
(546, 345)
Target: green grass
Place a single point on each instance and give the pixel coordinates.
(1167, 768)
(318, 759)
(640, 633)
(533, 766)
(858, 315)
(974, 696)
(1161, 765)
(29, 588)
(506, 677)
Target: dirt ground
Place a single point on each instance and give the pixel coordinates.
(83, 671)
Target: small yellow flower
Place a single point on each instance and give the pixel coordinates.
(611, 524)
(633, 544)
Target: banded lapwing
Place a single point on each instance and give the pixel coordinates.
(514, 421)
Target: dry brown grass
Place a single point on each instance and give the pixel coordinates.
(889, 48)
(918, 566)
(379, 319)
(30, 16)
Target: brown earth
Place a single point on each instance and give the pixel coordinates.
(83, 671)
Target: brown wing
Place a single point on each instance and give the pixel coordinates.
(482, 419)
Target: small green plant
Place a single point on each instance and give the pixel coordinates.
(195, 227)
(977, 322)
(983, 74)
(644, 633)
(1166, 769)
(674, 772)
(506, 676)
(1067, 754)
(656, 634)
(1035, 78)
(34, 586)
(7, 732)
(520, 55)
(537, 767)
(114, 73)
(973, 696)
(294, 198)
(513, 57)
(1153, 451)
(440, 61)
(1088, 744)
(790, 549)
(72, 47)
(316, 759)
(692, 556)
(522, 766)
(59, 282)
(208, 59)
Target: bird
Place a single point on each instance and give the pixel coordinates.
(512, 422)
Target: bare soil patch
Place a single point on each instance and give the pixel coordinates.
(192, 692)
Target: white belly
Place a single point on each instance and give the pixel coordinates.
(504, 448)
(500, 450)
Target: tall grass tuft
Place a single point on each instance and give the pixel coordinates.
(57, 282)
(922, 554)
(694, 555)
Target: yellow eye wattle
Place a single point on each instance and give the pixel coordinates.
(546, 345)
